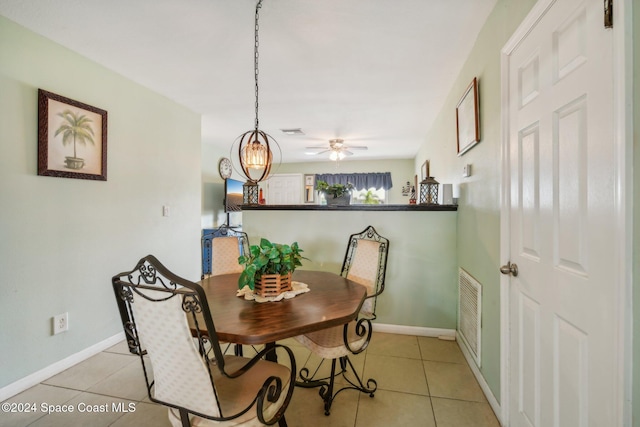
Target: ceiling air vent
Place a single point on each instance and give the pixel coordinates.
(293, 131)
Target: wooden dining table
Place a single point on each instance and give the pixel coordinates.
(332, 300)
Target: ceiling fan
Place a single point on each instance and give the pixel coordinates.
(337, 149)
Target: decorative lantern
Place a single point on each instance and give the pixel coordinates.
(429, 191)
(250, 193)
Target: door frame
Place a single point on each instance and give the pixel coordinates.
(623, 145)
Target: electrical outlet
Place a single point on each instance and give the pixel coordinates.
(60, 323)
(165, 210)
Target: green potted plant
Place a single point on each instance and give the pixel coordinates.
(269, 266)
(335, 194)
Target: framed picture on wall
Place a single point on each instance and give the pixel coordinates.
(467, 119)
(424, 170)
(309, 188)
(72, 138)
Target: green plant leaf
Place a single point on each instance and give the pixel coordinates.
(255, 250)
(264, 243)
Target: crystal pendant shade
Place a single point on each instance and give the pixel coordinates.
(255, 155)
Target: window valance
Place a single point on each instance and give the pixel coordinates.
(361, 181)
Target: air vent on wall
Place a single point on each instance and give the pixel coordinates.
(469, 313)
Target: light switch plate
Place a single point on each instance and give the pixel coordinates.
(466, 171)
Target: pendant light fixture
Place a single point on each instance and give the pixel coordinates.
(254, 149)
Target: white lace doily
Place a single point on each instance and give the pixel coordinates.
(297, 288)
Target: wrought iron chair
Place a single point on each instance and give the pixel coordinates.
(221, 249)
(365, 262)
(183, 365)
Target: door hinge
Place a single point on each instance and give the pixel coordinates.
(608, 13)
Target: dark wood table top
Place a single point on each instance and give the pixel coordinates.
(331, 301)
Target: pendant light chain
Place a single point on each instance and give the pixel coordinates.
(255, 57)
(254, 148)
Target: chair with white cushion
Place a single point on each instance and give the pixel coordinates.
(220, 252)
(221, 249)
(167, 323)
(365, 263)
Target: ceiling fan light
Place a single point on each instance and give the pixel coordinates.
(340, 155)
(333, 156)
(336, 143)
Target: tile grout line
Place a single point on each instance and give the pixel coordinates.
(424, 371)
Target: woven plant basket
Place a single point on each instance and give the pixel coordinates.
(271, 285)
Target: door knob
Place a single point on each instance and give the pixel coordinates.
(511, 269)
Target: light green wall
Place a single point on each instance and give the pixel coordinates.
(212, 187)
(61, 240)
(636, 214)
(479, 195)
(421, 287)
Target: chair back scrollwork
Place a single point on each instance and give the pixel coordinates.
(365, 262)
(221, 256)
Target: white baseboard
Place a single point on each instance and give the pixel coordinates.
(37, 377)
(413, 330)
(483, 383)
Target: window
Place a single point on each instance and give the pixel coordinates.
(369, 197)
(370, 188)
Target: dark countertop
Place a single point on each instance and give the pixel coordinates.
(314, 207)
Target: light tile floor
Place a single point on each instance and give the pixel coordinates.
(421, 382)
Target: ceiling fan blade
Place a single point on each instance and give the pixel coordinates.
(319, 152)
(316, 148)
(357, 147)
(347, 152)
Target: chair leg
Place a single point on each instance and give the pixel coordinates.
(371, 386)
(184, 417)
(326, 391)
(238, 350)
(327, 385)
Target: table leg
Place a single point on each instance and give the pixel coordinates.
(271, 356)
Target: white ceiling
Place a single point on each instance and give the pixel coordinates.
(372, 72)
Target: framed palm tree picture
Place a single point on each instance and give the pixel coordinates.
(72, 138)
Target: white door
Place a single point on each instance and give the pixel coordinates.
(284, 189)
(563, 319)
